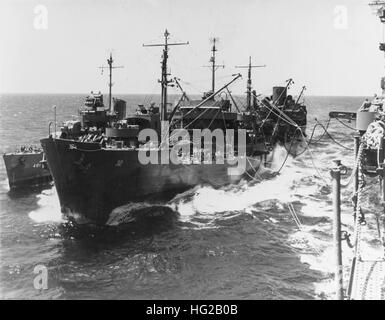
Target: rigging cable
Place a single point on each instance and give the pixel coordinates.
(347, 126)
(335, 141)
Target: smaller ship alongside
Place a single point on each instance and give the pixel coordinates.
(281, 113)
(26, 167)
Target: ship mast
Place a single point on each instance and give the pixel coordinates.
(110, 61)
(377, 3)
(249, 87)
(214, 66)
(379, 6)
(165, 82)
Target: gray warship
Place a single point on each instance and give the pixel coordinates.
(26, 167)
(95, 161)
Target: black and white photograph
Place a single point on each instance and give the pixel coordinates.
(192, 155)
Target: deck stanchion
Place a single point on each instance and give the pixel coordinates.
(336, 181)
(356, 176)
(382, 174)
(55, 123)
(382, 183)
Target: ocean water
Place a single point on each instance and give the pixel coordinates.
(238, 242)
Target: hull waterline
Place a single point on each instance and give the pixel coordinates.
(92, 181)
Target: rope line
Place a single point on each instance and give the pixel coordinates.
(347, 126)
(334, 140)
(299, 225)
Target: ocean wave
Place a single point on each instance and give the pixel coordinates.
(49, 208)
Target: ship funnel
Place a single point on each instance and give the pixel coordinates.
(119, 107)
(279, 95)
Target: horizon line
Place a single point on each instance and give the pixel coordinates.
(153, 94)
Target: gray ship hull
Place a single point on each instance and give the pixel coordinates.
(92, 181)
(26, 169)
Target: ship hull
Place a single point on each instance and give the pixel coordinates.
(26, 169)
(92, 181)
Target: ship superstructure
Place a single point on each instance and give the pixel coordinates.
(107, 158)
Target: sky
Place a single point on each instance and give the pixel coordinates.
(56, 46)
